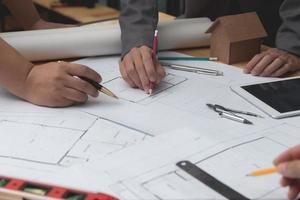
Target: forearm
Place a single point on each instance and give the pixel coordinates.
(14, 69)
(138, 21)
(288, 36)
(25, 12)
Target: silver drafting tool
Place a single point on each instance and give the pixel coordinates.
(222, 108)
(234, 117)
(228, 114)
(197, 70)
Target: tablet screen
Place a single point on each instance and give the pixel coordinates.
(283, 96)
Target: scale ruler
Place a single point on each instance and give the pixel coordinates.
(210, 181)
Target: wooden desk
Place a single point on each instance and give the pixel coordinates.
(84, 15)
(80, 14)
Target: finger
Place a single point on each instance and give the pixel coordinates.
(75, 95)
(62, 102)
(255, 60)
(283, 70)
(274, 66)
(149, 64)
(82, 86)
(131, 71)
(290, 169)
(262, 64)
(293, 192)
(140, 67)
(161, 72)
(290, 154)
(284, 182)
(81, 70)
(125, 75)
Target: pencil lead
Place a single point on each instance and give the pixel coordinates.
(150, 92)
(248, 122)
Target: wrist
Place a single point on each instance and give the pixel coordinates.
(23, 86)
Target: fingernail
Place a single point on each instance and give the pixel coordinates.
(254, 73)
(152, 79)
(281, 168)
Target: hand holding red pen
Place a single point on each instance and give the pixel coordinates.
(138, 68)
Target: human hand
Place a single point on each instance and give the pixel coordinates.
(54, 85)
(273, 62)
(137, 68)
(288, 165)
(41, 24)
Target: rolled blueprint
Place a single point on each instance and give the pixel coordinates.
(102, 39)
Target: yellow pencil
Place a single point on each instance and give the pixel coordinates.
(261, 172)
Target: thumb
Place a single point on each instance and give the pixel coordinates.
(290, 169)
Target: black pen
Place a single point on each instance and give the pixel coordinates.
(99, 87)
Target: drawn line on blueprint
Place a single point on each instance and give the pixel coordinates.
(171, 85)
(41, 125)
(229, 148)
(120, 124)
(75, 143)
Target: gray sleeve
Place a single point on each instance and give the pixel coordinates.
(138, 21)
(288, 36)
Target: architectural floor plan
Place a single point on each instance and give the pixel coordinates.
(132, 145)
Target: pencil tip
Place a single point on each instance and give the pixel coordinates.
(150, 92)
(248, 122)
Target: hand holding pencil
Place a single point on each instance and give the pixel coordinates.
(288, 165)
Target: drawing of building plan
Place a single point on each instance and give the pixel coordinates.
(132, 144)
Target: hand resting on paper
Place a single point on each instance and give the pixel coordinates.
(54, 85)
(288, 165)
(137, 68)
(273, 63)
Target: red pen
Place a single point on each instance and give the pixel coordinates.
(154, 57)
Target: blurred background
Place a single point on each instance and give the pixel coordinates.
(83, 11)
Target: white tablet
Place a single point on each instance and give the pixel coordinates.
(279, 99)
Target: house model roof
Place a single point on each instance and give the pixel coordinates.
(240, 27)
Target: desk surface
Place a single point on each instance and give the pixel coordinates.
(84, 15)
(81, 14)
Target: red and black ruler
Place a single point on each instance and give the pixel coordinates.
(29, 189)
